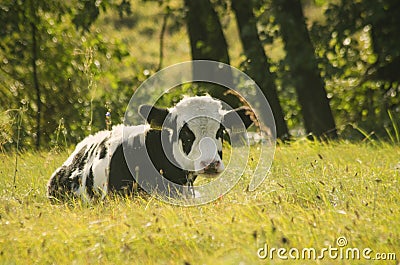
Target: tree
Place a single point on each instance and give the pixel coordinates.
(310, 87)
(258, 66)
(21, 36)
(48, 64)
(207, 41)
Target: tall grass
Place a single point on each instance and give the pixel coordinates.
(394, 135)
(314, 194)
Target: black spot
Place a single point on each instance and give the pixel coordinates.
(103, 152)
(61, 184)
(220, 135)
(91, 149)
(103, 148)
(90, 183)
(79, 158)
(81, 161)
(187, 137)
(220, 132)
(120, 178)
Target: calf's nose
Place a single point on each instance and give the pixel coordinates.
(211, 167)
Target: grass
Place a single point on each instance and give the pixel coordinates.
(314, 194)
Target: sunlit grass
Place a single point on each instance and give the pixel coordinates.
(314, 194)
(140, 33)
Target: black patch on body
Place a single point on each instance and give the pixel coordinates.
(220, 135)
(103, 148)
(220, 132)
(159, 158)
(61, 184)
(90, 183)
(147, 161)
(153, 115)
(81, 163)
(92, 148)
(120, 178)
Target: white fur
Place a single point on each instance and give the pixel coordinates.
(203, 116)
(100, 167)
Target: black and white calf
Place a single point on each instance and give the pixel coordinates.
(177, 143)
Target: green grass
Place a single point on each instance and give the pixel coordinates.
(314, 194)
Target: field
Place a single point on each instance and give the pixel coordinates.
(317, 196)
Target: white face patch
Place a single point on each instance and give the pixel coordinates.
(198, 148)
(206, 145)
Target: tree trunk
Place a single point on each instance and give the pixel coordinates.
(162, 35)
(258, 66)
(35, 75)
(207, 42)
(310, 87)
(207, 39)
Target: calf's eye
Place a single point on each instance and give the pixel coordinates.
(187, 138)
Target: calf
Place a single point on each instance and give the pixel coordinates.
(176, 144)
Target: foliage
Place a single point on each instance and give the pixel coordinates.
(69, 59)
(357, 49)
(359, 57)
(92, 55)
(315, 194)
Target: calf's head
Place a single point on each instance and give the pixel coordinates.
(196, 126)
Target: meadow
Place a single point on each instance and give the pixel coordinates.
(340, 195)
(335, 198)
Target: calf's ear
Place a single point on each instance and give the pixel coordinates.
(234, 118)
(153, 115)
